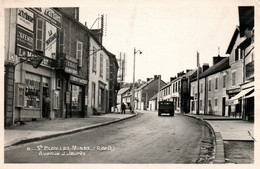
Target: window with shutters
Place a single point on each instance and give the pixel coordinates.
(79, 53)
(94, 66)
(107, 69)
(101, 65)
(216, 83)
(39, 34)
(62, 40)
(209, 85)
(224, 81)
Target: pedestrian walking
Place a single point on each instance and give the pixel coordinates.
(123, 108)
(47, 105)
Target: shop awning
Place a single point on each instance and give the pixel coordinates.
(240, 94)
(251, 95)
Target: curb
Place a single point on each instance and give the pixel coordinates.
(219, 145)
(62, 133)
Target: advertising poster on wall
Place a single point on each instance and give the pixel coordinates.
(50, 41)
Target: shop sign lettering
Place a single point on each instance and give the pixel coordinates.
(78, 80)
(24, 38)
(70, 71)
(50, 14)
(23, 53)
(25, 18)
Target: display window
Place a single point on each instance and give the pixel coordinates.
(32, 91)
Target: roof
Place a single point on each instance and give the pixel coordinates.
(146, 84)
(233, 40)
(190, 73)
(221, 65)
(154, 97)
(123, 90)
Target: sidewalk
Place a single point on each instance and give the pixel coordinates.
(228, 129)
(43, 128)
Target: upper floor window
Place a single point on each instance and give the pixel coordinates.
(224, 81)
(39, 34)
(233, 78)
(107, 69)
(216, 83)
(94, 66)
(237, 53)
(216, 101)
(201, 88)
(79, 53)
(101, 65)
(209, 85)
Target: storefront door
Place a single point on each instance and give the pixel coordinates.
(76, 101)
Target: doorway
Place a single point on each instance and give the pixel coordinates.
(223, 106)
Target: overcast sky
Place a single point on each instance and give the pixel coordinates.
(168, 32)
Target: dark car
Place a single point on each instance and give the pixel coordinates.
(166, 107)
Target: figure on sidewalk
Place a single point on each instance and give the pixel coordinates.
(47, 105)
(123, 108)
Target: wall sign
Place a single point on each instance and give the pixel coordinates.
(24, 53)
(50, 41)
(25, 18)
(78, 80)
(50, 14)
(24, 38)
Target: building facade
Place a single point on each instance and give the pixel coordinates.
(30, 53)
(98, 98)
(147, 91)
(72, 67)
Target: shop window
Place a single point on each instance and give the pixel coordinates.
(20, 89)
(32, 91)
(76, 100)
(79, 53)
(94, 66)
(56, 99)
(101, 65)
(39, 34)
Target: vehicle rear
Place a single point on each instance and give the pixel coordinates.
(166, 107)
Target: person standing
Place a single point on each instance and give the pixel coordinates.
(123, 108)
(47, 105)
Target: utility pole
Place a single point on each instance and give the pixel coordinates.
(198, 84)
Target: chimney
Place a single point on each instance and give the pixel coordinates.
(148, 79)
(205, 66)
(156, 76)
(180, 74)
(217, 59)
(172, 78)
(188, 70)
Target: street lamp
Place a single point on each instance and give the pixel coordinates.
(133, 89)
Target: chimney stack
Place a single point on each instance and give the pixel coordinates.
(205, 66)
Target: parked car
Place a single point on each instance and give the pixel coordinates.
(166, 107)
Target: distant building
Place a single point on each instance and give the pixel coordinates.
(178, 91)
(147, 91)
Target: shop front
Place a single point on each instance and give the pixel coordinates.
(77, 102)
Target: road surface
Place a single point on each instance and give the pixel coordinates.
(146, 138)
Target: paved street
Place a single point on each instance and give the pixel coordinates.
(145, 138)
